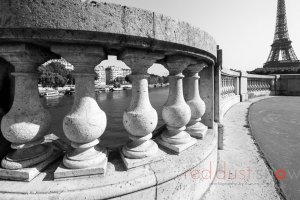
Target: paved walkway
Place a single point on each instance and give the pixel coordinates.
(275, 125)
(242, 173)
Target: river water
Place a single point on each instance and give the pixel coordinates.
(113, 104)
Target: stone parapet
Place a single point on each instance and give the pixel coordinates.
(114, 26)
(237, 86)
(84, 33)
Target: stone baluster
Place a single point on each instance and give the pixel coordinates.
(223, 87)
(251, 85)
(263, 85)
(27, 122)
(232, 86)
(226, 86)
(255, 85)
(86, 122)
(192, 96)
(267, 84)
(176, 113)
(140, 118)
(260, 85)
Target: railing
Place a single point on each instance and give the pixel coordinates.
(236, 86)
(228, 86)
(258, 85)
(140, 39)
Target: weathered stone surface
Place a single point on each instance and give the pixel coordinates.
(192, 184)
(102, 18)
(226, 104)
(206, 87)
(27, 122)
(131, 163)
(147, 194)
(176, 147)
(192, 97)
(168, 29)
(175, 164)
(140, 118)
(119, 183)
(86, 122)
(63, 172)
(27, 174)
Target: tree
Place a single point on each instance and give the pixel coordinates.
(120, 79)
(54, 75)
(127, 78)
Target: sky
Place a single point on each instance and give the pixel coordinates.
(244, 29)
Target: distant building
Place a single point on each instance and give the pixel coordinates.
(112, 72)
(126, 71)
(101, 77)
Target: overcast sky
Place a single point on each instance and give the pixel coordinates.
(244, 29)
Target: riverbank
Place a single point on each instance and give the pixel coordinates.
(70, 89)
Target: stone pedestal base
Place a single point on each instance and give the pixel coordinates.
(132, 163)
(177, 148)
(63, 172)
(27, 174)
(198, 130)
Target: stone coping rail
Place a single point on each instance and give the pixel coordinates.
(90, 22)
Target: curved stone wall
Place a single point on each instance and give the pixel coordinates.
(104, 23)
(176, 177)
(84, 32)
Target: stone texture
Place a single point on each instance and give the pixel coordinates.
(27, 122)
(119, 183)
(132, 163)
(176, 113)
(206, 87)
(147, 194)
(27, 174)
(63, 172)
(102, 18)
(192, 184)
(226, 104)
(181, 163)
(86, 122)
(176, 147)
(140, 118)
(191, 94)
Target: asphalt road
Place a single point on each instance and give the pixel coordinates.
(275, 125)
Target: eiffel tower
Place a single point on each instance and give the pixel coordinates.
(282, 54)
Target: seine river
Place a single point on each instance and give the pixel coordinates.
(113, 104)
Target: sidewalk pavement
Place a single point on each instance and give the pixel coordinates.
(242, 173)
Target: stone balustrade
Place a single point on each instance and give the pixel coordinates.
(156, 162)
(255, 84)
(237, 86)
(32, 33)
(228, 86)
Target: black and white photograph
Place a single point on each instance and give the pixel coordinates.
(149, 100)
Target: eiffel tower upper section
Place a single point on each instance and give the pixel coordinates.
(282, 54)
